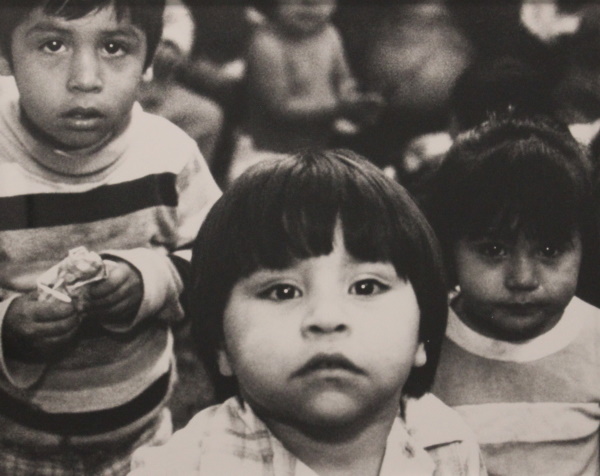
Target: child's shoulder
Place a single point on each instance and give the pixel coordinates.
(153, 128)
(444, 435)
(154, 138)
(431, 422)
(587, 314)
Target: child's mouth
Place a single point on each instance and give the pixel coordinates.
(328, 362)
(523, 309)
(83, 118)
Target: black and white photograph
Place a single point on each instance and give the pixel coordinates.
(299, 237)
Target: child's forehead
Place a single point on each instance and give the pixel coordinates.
(105, 15)
(528, 235)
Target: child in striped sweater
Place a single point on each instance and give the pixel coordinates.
(83, 385)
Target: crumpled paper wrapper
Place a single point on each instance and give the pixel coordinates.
(67, 280)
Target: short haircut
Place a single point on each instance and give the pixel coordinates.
(287, 209)
(511, 176)
(496, 86)
(145, 14)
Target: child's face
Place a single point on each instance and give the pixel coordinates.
(328, 341)
(515, 290)
(78, 79)
(305, 16)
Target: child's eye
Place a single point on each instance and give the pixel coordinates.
(281, 292)
(492, 250)
(368, 287)
(53, 46)
(550, 251)
(114, 48)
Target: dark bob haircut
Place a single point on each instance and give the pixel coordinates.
(145, 14)
(287, 209)
(512, 176)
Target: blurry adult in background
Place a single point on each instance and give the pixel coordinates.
(411, 53)
(517, 61)
(300, 91)
(164, 94)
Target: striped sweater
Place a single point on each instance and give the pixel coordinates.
(140, 198)
(534, 406)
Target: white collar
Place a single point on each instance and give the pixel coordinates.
(557, 338)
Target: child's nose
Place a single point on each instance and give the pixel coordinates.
(522, 274)
(325, 316)
(85, 74)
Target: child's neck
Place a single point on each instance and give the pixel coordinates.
(350, 451)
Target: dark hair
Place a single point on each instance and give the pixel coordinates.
(496, 86)
(287, 209)
(595, 152)
(145, 14)
(509, 176)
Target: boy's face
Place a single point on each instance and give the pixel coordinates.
(328, 342)
(305, 16)
(515, 290)
(78, 79)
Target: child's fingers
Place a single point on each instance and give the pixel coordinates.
(59, 329)
(120, 294)
(118, 275)
(50, 311)
(53, 343)
(104, 288)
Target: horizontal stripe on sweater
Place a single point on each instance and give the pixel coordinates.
(108, 201)
(74, 388)
(531, 422)
(87, 423)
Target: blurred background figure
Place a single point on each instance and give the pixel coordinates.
(578, 90)
(164, 94)
(300, 91)
(411, 53)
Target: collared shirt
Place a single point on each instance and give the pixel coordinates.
(229, 439)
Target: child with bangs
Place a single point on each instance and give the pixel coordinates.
(319, 306)
(512, 206)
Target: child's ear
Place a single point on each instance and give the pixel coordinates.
(5, 69)
(224, 365)
(420, 356)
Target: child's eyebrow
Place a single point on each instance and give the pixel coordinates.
(47, 26)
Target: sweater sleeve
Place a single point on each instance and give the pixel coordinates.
(163, 268)
(18, 374)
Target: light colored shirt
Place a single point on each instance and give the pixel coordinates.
(229, 439)
(534, 405)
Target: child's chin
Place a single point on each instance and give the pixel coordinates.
(332, 408)
(82, 140)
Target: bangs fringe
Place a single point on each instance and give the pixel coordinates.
(294, 213)
(516, 192)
